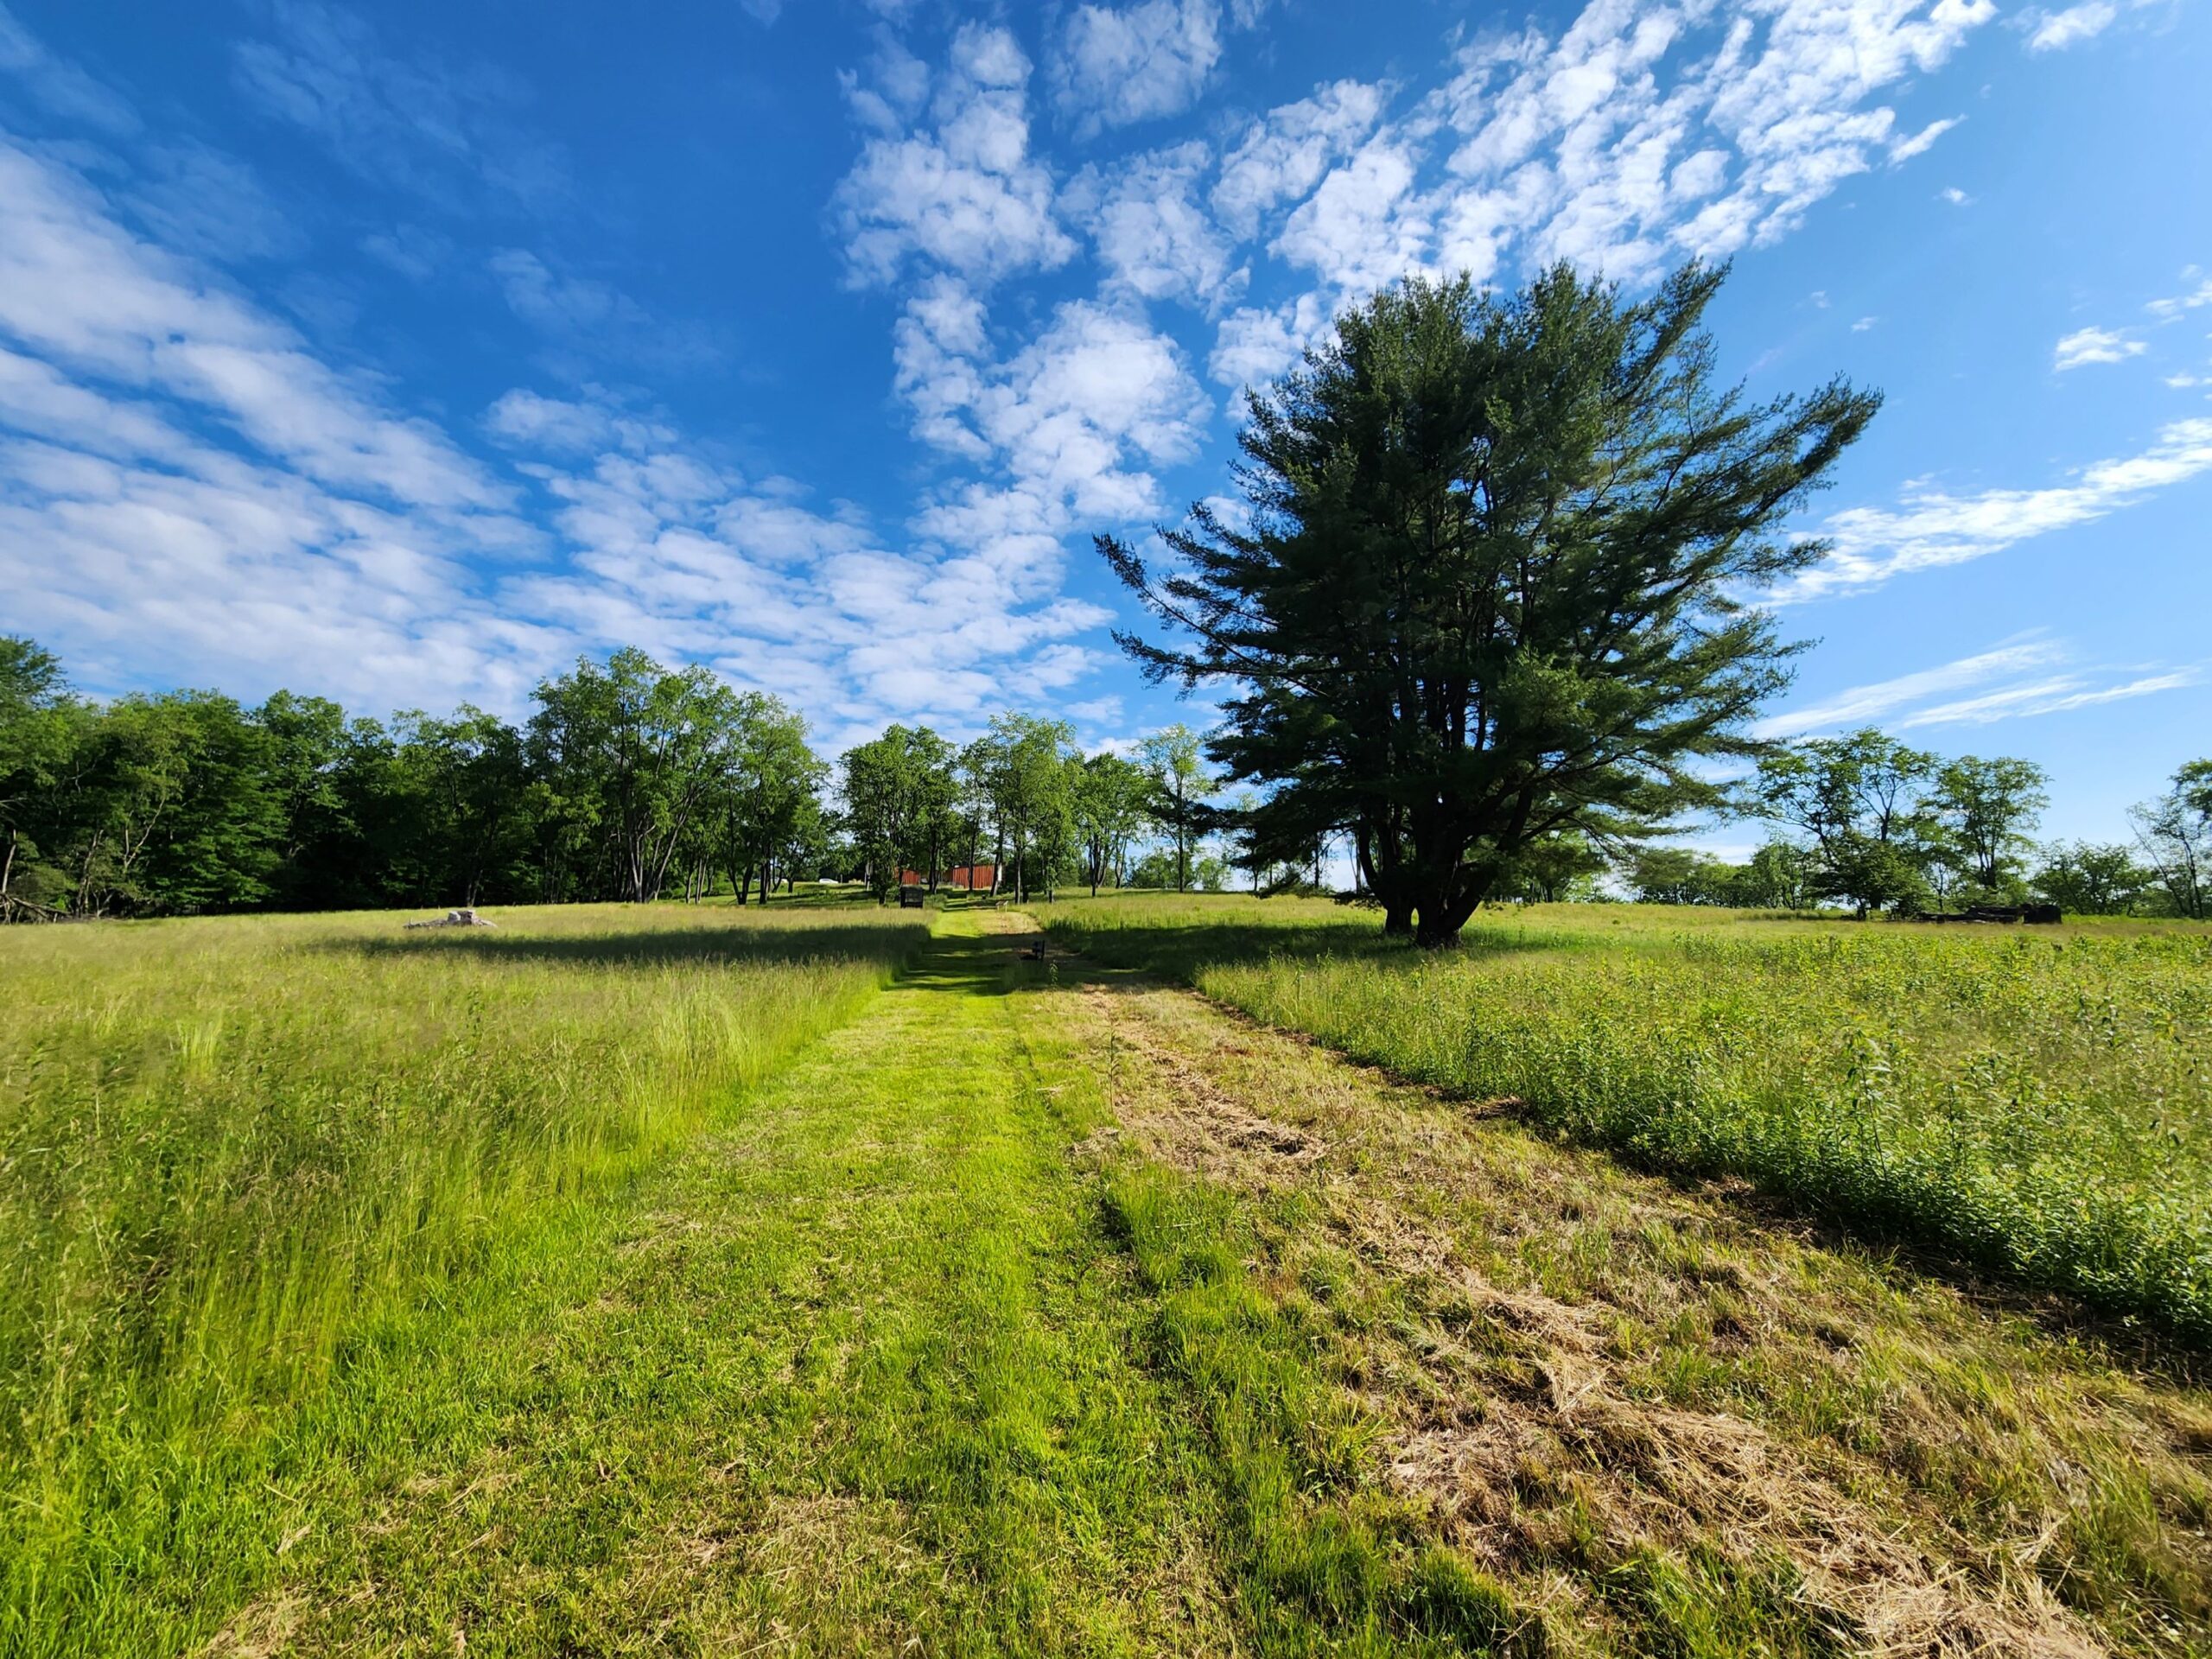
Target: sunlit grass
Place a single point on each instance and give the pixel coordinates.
(2036, 1103)
(227, 1146)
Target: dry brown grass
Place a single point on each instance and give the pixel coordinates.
(1582, 1370)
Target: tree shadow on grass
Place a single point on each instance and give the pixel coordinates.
(737, 944)
(989, 965)
(1182, 951)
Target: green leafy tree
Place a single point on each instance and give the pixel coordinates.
(1157, 868)
(177, 813)
(307, 744)
(1110, 797)
(1864, 801)
(889, 798)
(40, 732)
(468, 778)
(932, 816)
(1490, 589)
(770, 807)
(1027, 766)
(1780, 876)
(1180, 788)
(1677, 875)
(1986, 809)
(638, 748)
(803, 846)
(1552, 870)
(2175, 832)
(2083, 879)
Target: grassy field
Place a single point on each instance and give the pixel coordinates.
(699, 1282)
(228, 1149)
(2032, 1103)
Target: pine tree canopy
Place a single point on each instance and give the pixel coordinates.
(1493, 579)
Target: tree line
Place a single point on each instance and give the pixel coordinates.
(630, 781)
(1484, 614)
(635, 781)
(1873, 824)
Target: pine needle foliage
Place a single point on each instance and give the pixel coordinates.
(1490, 584)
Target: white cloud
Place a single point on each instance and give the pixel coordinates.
(1284, 153)
(1643, 133)
(198, 200)
(966, 194)
(1362, 229)
(1956, 197)
(2171, 310)
(1120, 65)
(1863, 704)
(1254, 345)
(79, 290)
(1864, 324)
(2054, 31)
(2054, 696)
(1904, 149)
(2086, 345)
(2019, 678)
(1064, 434)
(414, 252)
(528, 423)
(1154, 238)
(328, 540)
(1074, 419)
(1931, 528)
(451, 135)
(60, 87)
(558, 304)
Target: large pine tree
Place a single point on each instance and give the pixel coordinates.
(1491, 585)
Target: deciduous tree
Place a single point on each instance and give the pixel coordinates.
(1109, 798)
(2175, 832)
(1864, 802)
(638, 748)
(2083, 879)
(1180, 788)
(1986, 809)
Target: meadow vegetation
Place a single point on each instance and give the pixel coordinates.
(1625, 1415)
(698, 1280)
(231, 1146)
(2036, 1105)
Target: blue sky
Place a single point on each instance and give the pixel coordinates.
(402, 352)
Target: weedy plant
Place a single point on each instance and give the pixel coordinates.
(2033, 1105)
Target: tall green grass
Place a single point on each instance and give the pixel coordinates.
(227, 1148)
(2035, 1104)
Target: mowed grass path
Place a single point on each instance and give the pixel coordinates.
(1045, 1309)
(849, 1370)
